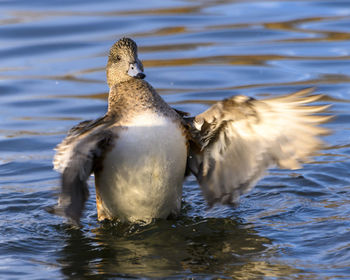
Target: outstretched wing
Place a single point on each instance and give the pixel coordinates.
(76, 158)
(240, 137)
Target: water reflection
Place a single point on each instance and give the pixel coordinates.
(164, 248)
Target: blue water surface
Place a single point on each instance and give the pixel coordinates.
(293, 225)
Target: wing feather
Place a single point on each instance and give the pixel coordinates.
(64, 150)
(241, 137)
(76, 158)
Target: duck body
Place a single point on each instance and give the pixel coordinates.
(142, 175)
(143, 171)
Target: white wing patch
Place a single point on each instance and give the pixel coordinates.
(63, 155)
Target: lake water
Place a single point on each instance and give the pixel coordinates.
(293, 225)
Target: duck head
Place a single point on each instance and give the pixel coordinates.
(123, 63)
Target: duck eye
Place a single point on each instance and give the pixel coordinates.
(118, 57)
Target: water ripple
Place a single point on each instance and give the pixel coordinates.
(293, 225)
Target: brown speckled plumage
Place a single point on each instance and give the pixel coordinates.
(121, 55)
(125, 44)
(134, 96)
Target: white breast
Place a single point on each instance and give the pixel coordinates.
(142, 176)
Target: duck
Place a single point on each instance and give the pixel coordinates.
(142, 149)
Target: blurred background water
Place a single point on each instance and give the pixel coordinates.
(293, 225)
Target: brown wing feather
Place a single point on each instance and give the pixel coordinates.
(65, 149)
(77, 157)
(241, 137)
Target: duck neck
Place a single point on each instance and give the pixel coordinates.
(133, 94)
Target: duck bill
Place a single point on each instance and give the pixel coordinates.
(135, 71)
